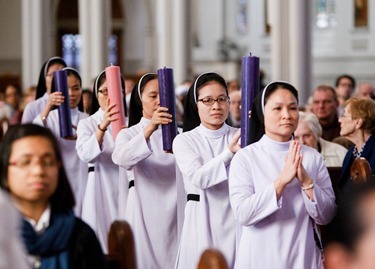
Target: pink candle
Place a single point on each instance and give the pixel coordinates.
(113, 76)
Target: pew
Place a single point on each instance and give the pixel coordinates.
(360, 171)
(212, 259)
(121, 250)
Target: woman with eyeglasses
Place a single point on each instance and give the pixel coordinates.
(94, 146)
(43, 90)
(32, 172)
(152, 200)
(357, 124)
(49, 118)
(203, 154)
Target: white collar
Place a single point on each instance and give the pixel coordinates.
(43, 221)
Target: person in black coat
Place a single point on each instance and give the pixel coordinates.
(357, 124)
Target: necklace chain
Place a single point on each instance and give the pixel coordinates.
(357, 153)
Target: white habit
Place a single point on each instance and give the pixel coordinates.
(152, 202)
(278, 234)
(203, 157)
(101, 196)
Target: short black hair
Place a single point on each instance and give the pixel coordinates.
(63, 199)
(351, 78)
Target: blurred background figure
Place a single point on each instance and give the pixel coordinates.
(13, 98)
(129, 84)
(233, 85)
(28, 96)
(309, 133)
(234, 118)
(181, 92)
(12, 252)
(345, 85)
(5, 114)
(87, 96)
(324, 106)
(366, 89)
(351, 238)
(357, 124)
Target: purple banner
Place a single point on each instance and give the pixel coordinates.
(167, 99)
(250, 88)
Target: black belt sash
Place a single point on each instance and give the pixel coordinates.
(91, 169)
(131, 183)
(193, 197)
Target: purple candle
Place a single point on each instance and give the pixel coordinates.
(167, 99)
(65, 121)
(250, 88)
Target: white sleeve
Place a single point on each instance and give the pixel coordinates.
(323, 208)
(129, 150)
(87, 146)
(249, 206)
(200, 174)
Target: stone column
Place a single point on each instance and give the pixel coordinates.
(94, 28)
(36, 43)
(300, 47)
(165, 39)
(278, 19)
(181, 40)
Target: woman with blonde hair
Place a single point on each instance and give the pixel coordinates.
(357, 124)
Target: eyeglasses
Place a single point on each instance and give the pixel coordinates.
(209, 101)
(344, 115)
(103, 91)
(27, 163)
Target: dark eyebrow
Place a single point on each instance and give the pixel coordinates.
(209, 96)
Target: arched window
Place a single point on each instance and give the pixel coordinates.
(69, 40)
(325, 14)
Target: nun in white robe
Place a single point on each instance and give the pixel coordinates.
(152, 200)
(43, 89)
(277, 197)
(75, 168)
(94, 146)
(203, 154)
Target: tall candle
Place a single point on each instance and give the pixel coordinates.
(167, 99)
(115, 95)
(250, 88)
(60, 78)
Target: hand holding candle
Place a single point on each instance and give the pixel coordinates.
(60, 79)
(250, 88)
(115, 96)
(167, 99)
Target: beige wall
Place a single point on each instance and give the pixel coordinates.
(10, 37)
